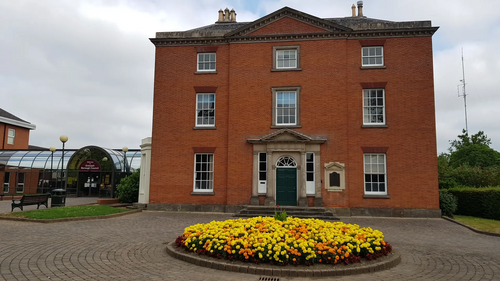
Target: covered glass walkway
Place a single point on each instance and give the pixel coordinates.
(89, 171)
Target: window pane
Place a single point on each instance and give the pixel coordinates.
(262, 156)
(262, 176)
(309, 167)
(309, 157)
(310, 177)
(262, 166)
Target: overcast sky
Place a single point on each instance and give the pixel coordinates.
(85, 68)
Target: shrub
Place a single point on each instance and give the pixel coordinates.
(280, 216)
(447, 183)
(473, 176)
(447, 203)
(128, 190)
(478, 202)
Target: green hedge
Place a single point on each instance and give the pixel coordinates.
(478, 202)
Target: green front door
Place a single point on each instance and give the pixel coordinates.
(286, 186)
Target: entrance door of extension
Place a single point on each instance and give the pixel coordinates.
(286, 186)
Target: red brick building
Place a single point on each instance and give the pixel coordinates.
(293, 109)
(14, 131)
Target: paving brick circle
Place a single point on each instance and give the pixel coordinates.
(132, 247)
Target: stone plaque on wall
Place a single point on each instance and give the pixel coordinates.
(334, 176)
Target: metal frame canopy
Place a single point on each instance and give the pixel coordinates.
(42, 166)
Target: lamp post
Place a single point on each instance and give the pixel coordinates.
(125, 149)
(52, 149)
(63, 139)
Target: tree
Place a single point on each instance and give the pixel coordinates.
(475, 155)
(474, 151)
(464, 140)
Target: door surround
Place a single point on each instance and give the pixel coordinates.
(286, 142)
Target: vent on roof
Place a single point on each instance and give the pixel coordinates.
(360, 8)
(227, 16)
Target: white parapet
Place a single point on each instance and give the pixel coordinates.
(145, 171)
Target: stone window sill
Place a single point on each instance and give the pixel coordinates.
(335, 189)
(205, 72)
(374, 126)
(376, 196)
(203, 193)
(285, 127)
(285, 69)
(374, 67)
(204, 128)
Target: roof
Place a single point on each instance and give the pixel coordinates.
(11, 119)
(362, 27)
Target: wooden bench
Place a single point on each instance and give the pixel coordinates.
(32, 199)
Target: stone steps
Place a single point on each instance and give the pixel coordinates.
(298, 212)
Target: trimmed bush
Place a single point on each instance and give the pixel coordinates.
(478, 202)
(447, 183)
(128, 190)
(447, 203)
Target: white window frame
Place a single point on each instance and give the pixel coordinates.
(369, 110)
(279, 53)
(366, 56)
(206, 62)
(279, 109)
(198, 175)
(6, 182)
(198, 110)
(20, 185)
(11, 136)
(262, 169)
(377, 168)
(310, 184)
(286, 57)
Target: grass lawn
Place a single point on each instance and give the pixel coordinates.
(69, 212)
(479, 223)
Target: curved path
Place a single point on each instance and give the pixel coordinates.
(132, 247)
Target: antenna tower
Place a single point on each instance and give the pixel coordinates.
(464, 94)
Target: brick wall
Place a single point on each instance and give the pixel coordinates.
(330, 107)
(21, 139)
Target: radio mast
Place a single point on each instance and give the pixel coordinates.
(464, 94)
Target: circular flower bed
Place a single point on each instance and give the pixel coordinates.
(295, 241)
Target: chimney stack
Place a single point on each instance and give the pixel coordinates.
(221, 16)
(360, 8)
(227, 16)
(353, 8)
(233, 15)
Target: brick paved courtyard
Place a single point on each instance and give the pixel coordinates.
(132, 247)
